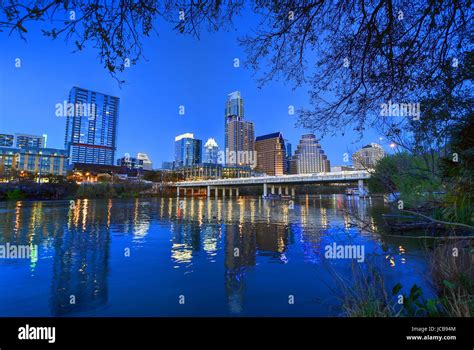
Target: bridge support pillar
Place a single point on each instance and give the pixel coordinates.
(273, 189)
(208, 191)
(192, 191)
(292, 191)
(279, 190)
(216, 192)
(223, 192)
(237, 192)
(265, 189)
(230, 192)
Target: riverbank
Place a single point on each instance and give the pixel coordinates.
(71, 190)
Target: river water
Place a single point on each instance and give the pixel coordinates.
(197, 257)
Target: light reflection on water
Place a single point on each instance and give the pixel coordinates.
(135, 257)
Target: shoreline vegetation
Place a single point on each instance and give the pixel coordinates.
(29, 190)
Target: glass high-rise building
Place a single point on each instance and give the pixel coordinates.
(188, 150)
(309, 157)
(211, 152)
(91, 127)
(234, 107)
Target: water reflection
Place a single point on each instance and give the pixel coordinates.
(77, 239)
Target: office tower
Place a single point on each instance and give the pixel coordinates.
(240, 142)
(234, 104)
(146, 161)
(368, 156)
(309, 157)
(211, 151)
(24, 140)
(188, 150)
(288, 155)
(239, 134)
(91, 127)
(270, 151)
(7, 140)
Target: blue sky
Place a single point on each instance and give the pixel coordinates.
(178, 70)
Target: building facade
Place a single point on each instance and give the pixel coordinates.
(25, 140)
(368, 156)
(240, 142)
(91, 127)
(206, 171)
(22, 140)
(145, 160)
(167, 165)
(188, 150)
(288, 155)
(44, 161)
(309, 157)
(271, 154)
(239, 133)
(211, 152)
(130, 162)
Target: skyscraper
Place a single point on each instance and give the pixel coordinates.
(211, 151)
(309, 157)
(188, 150)
(239, 134)
(22, 140)
(270, 151)
(91, 127)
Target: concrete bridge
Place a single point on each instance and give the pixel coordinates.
(284, 184)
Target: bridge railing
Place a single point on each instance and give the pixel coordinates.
(318, 177)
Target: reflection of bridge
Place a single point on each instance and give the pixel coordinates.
(283, 183)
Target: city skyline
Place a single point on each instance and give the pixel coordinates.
(148, 101)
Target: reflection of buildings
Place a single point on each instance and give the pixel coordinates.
(80, 268)
(243, 243)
